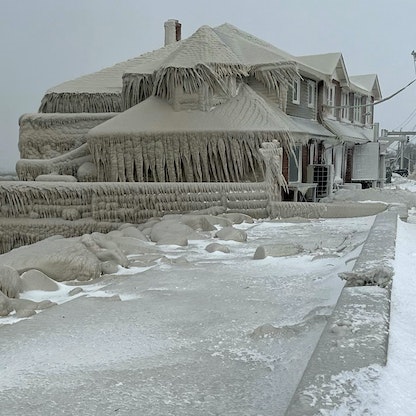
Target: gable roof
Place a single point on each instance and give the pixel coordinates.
(202, 47)
(205, 57)
(109, 79)
(250, 49)
(369, 83)
(329, 64)
(225, 44)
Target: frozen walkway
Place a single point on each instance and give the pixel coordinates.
(356, 335)
(200, 334)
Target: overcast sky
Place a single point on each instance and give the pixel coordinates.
(46, 42)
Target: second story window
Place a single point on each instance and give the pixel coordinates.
(296, 91)
(357, 108)
(330, 99)
(368, 111)
(311, 94)
(345, 102)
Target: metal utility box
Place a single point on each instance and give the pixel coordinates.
(323, 176)
(366, 162)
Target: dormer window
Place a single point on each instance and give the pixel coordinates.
(296, 91)
(311, 94)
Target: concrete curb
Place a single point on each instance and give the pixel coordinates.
(356, 334)
(325, 210)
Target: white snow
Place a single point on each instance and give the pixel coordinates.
(391, 390)
(398, 378)
(107, 342)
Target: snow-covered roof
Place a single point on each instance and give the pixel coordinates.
(369, 83)
(206, 57)
(348, 132)
(329, 64)
(245, 112)
(225, 44)
(202, 47)
(110, 79)
(250, 49)
(313, 128)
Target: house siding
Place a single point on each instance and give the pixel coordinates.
(301, 110)
(262, 90)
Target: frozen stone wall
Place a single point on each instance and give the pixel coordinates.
(23, 231)
(72, 206)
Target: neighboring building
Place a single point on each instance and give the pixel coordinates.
(198, 110)
(343, 104)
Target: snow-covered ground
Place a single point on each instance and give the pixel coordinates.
(197, 334)
(208, 333)
(391, 390)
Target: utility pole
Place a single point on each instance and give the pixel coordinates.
(398, 136)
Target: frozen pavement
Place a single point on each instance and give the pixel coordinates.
(200, 334)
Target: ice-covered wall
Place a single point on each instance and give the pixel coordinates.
(67, 208)
(45, 136)
(81, 102)
(66, 164)
(185, 157)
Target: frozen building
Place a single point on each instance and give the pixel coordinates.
(199, 109)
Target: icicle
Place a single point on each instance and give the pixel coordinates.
(81, 103)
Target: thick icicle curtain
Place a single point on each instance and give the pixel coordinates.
(167, 79)
(182, 157)
(138, 87)
(81, 102)
(45, 136)
(162, 82)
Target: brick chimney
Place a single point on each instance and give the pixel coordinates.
(172, 31)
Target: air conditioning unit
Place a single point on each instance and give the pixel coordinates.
(323, 176)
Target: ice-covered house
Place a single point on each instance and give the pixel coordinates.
(197, 110)
(344, 106)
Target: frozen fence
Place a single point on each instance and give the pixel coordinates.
(97, 203)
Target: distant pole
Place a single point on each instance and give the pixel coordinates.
(401, 154)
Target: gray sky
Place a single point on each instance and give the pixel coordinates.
(46, 42)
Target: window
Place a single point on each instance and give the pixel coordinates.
(296, 91)
(357, 108)
(345, 102)
(295, 165)
(330, 99)
(368, 111)
(311, 94)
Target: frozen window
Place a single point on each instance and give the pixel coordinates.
(311, 94)
(368, 111)
(296, 91)
(345, 102)
(357, 108)
(295, 165)
(330, 99)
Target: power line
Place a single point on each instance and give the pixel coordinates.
(393, 95)
(407, 120)
(372, 104)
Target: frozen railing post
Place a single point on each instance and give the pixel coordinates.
(272, 153)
